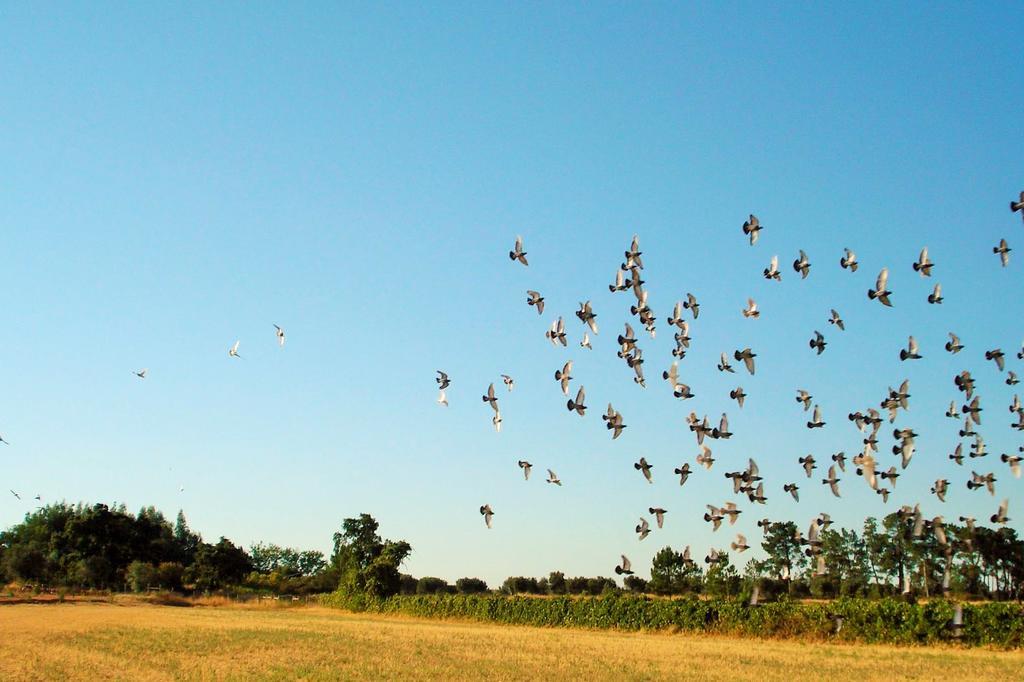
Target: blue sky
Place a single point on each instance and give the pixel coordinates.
(179, 177)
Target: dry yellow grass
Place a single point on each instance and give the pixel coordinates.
(143, 642)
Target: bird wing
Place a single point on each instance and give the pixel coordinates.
(883, 279)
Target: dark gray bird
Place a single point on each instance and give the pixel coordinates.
(517, 253)
(683, 472)
(880, 292)
(818, 342)
(804, 397)
(16, 494)
(940, 488)
(625, 568)
(659, 515)
(793, 489)
(936, 296)
(996, 356)
(747, 357)
(724, 366)
(808, 464)
(738, 395)
(563, 378)
(954, 345)
(442, 380)
(613, 421)
(802, 265)
(840, 459)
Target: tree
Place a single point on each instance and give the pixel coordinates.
(218, 566)
(470, 586)
(140, 576)
(365, 562)
(556, 582)
(635, 583)
(785, 555)
(670, 574)
(428, 585)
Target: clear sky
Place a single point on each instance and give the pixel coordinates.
(178, 177)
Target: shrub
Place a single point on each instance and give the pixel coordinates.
(883, 621)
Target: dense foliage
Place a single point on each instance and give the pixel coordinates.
(103, 547)
(880, 621)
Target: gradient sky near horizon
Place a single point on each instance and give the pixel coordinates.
(177, 177)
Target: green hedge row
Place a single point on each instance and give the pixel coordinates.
(883, 621)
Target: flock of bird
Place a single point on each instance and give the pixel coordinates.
(748, 481)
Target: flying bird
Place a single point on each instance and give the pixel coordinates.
(683, 472)
(1004, 252)
(279, 333)
(442, 380)
(936, 296)
(772, 271)
(645, 468)
(643, 529)
(556, 334)
(585, 343)
(802, 265)
(486, 512)
(953, 345)
(508, 381)
(836, 320)
(141, 373)
(816, 420)
(738, 395)
(535, 299)
(526, 467)
(747, 357)
(517, 253)
(625, 568)
(442, 398)
(832, 480)
(587, 316)
(692, 305)
(233, 352)
(751, 309)
(577, 405)
(880, 292)
(553, 478)
(752, 227)
(659, 515)
(849, 261)
(563, 378)
(910, 352)
(818, 342)
(1018, 206)
(922, 265)
(996, 356)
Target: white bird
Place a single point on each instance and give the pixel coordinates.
(442, 398)
(585, 343)
(280, 335)
(234, 350)
(553, 478)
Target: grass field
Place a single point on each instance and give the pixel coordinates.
(144, 642)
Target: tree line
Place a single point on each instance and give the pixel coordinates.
(101, 547)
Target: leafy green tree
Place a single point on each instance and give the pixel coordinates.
(556, 583)
(785, 554)
(635, 583)
(218, 566)
(670, 574)
(429, 585)
(141, 576)
(365, 562)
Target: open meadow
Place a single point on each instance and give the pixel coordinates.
(144, 642)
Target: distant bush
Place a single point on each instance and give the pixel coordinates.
(847, 619)
(470, 586)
